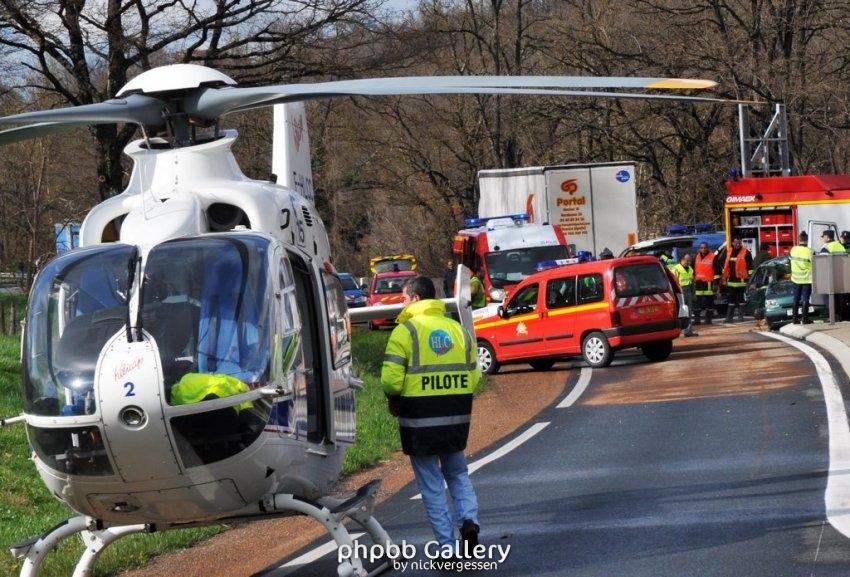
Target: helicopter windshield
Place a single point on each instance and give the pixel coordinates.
(206, 303)
(78, 302)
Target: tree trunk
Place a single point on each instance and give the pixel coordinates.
(110, 172)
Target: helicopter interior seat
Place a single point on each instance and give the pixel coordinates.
(173, 326)
(76, 353)
(229, 342)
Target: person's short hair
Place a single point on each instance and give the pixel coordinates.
(420, 285)
(686, 255)
(829, 233)
(804, 236)
(734, 238)
(845, 234)
(703, 244)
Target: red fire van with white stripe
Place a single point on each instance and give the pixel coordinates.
(591, 309)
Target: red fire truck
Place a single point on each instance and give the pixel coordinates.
(771, 211)
(507, 249)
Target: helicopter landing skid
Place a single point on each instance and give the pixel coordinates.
(34, 550)
(331, 512)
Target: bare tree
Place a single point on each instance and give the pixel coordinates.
(83, 52)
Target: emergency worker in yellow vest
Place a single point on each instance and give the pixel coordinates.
(736, 272)
(476, 287)
(801, 276)
(831, 245)
(685, 273)
(429, 373)
(705, 283)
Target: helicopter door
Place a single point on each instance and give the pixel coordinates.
(314, 371)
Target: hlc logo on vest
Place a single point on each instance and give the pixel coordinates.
(440, 342)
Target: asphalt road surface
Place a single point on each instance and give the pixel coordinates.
(714, 462)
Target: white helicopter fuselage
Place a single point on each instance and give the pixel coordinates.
(147, 476)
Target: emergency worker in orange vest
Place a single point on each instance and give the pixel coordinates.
(705, 283)
(736, 271)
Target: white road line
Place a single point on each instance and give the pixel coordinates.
(503, 450)
(308, 557)
(837, 497)
(581, 385)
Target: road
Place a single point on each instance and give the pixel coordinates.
(714, 462)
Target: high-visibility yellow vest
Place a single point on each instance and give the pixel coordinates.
(801, 265)
(479, 299)
(835, 247)
(685, 275)
(668, 261)
(195, 387)
(431, 365)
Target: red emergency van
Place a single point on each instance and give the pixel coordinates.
(386, 290)
(590, 309)
(506, 249)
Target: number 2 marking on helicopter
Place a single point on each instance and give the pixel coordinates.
(130, 387)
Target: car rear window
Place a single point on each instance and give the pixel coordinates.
(640, 279)
(389, 285)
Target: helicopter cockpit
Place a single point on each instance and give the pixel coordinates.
(78, 303)
(205, 304)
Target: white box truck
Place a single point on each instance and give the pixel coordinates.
(594, 204)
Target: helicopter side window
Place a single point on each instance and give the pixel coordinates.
(338, 323)
(287, 351)
(314, 384)
(78, 303)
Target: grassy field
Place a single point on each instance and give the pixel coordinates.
(27, 509)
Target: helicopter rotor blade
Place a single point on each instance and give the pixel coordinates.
(21, 133)
(215, 102)
(135, 109)
(205, 106)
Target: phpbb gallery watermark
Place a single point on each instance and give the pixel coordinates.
(404, 556)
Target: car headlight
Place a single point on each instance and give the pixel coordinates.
(360, 300)
(349, 298)
(497, 295)
(771, 303)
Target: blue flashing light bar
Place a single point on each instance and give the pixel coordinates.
(475, 222)
(582, 256)
(680, 229)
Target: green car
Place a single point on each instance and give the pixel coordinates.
(770, 294)
(778, 304)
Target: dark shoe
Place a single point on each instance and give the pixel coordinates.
(469, 534)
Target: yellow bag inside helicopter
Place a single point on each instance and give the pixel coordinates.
(196, 387)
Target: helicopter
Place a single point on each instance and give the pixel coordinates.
(190, 364)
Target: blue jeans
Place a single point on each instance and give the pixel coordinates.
(431, 471)
(802, 292)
